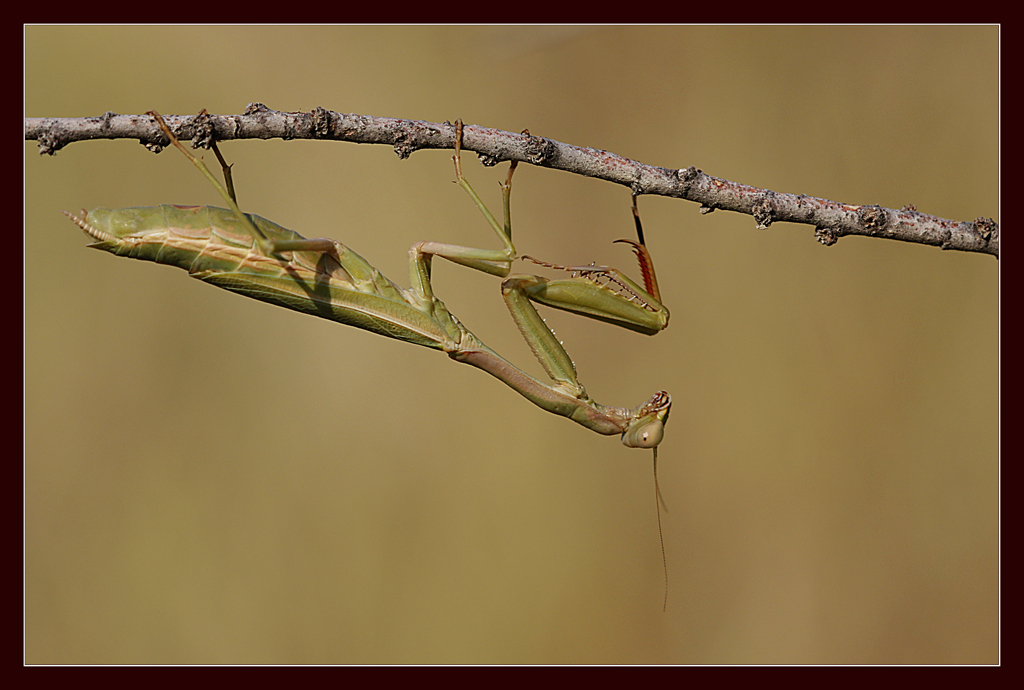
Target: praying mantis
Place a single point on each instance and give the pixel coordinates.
(255, 257)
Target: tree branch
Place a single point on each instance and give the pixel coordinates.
(831, 219)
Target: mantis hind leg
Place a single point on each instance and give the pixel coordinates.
(265, 244)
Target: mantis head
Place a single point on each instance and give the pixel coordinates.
(648, 425)
(646, 431)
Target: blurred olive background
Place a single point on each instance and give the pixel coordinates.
(210, 479)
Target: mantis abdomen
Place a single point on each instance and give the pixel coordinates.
(214, 246)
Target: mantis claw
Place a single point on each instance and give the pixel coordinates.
(643, 256)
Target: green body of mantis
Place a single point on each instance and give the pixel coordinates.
(260, 259)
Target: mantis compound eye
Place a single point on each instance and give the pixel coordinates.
(647, 435)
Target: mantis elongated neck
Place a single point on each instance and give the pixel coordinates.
(603, 420)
